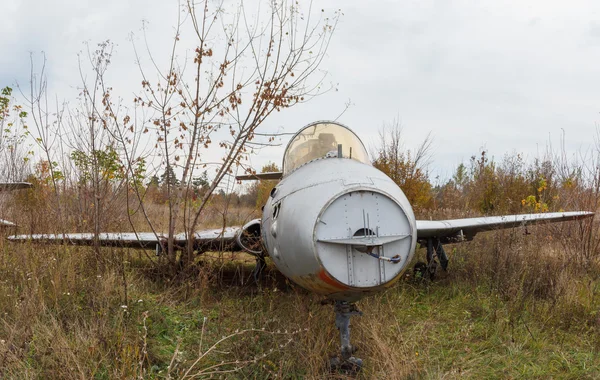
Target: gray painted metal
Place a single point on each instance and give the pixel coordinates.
(6, 223)
(367, 241)
(260, 176)
(8, 186)
(343, 312)
(454, 230)
(331, 199)
(249, 238)
(204, 240)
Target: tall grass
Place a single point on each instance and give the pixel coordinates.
(512, 305)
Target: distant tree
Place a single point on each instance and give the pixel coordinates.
(168, 177)
(484, 189)
(461, 176)
(201, 182)
(154, 181)
(153, 192)
(263, 188)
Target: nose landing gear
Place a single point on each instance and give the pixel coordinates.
(345, 362)
(258, 271)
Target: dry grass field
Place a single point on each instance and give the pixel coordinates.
(515, 304)
(162, 155)
(510, 306)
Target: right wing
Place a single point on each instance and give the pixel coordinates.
(7, 186)
(456, 230)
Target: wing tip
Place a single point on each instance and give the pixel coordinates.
(581, 214)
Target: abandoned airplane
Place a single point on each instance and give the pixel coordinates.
(334, 225)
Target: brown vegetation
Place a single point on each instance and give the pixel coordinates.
(511, 305)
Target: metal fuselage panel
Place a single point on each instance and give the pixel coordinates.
(331, 198)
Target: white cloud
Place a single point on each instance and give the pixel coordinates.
(504, 75)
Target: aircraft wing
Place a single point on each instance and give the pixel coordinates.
(221, 238)
(14, 185)
(260, 176)
(6, 223)
(456, 230)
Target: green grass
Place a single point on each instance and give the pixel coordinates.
(453, 331)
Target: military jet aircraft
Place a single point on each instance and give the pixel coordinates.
(334, 225)
(9, 186)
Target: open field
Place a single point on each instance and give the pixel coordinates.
(157, 133)
(515, 304)
(511, 306)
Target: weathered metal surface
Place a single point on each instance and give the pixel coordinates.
(119, 239)
(366, 241)
(313, 216)
(361, 213)
(260, 176)
(207, 239)
(343, 312)
(6, 223)
(249, 238)
(457, 229)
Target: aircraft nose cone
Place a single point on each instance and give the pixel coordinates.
(364, 239)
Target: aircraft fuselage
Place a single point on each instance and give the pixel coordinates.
(328, 223)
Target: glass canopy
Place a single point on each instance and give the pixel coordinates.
(321, 139)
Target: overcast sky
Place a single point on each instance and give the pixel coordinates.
(509, 76)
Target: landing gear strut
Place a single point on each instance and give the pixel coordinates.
(257, 273)
(345, 362)
(434, 250)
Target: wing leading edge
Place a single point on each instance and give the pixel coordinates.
(465, 229)
(221, 238)
(6, 223)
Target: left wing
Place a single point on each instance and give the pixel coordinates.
(454, 230)
(6, 223)
(225, 238)
(245, 238)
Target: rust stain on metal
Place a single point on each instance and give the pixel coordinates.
(330, 281)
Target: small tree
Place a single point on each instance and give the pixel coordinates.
(168, 178)
(405, 167)
(243, 68)
(264, 187)
(13, 130)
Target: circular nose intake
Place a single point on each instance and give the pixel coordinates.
(364, 239)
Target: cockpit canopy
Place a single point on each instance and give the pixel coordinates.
(319, 140)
